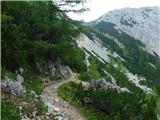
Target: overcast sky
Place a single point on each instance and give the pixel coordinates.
(100, 7)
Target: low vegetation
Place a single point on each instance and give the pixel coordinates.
(9, 111)
(109, 105)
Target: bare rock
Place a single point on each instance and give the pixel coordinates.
(14, 87)
(55, 68)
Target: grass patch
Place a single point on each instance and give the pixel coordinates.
(33, 82)
(41, 108)
(9, 111)
(10, 74)
(158, 106)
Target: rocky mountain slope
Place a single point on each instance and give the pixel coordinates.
(115, 77)
(94, 47)
(125, 35)
(142, 24)
(126, 40)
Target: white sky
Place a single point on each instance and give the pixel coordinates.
(100, 7)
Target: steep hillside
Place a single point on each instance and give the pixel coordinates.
(129, 45)
(114, 77)
(125, 63)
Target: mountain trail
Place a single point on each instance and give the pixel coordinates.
(57, 105)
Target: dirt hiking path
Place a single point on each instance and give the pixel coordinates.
(56, 105)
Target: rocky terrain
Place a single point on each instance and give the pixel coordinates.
(13, 88)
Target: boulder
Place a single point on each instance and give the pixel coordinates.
(100, 83)
(103, 84)
(14, 87)
(21, 70)
(20, 79)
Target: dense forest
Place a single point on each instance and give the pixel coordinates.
(34, 32)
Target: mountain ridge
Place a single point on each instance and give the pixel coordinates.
(141, 23)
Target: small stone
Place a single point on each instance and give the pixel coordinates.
(20, 107)
(33, 93)
(56, 109)
(20, 79)
(21, 70)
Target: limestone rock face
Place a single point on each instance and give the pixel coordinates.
(55, 68)
(142, 24)
(13, 87)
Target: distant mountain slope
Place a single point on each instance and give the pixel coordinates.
(142, 24)
(123, 36)
(95, 47)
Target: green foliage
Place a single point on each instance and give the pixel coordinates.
(9, 111)
(5, 18)
(37, 32)
(5, 72)
(91, 74)
(41, 108)
(67, 93)
(158, 106)
(110, 104)
(32, 81)
(94, 70)
(42, 51)
(71, 55)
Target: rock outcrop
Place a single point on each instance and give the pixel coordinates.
(103, 84)
(55, 68)
(12, 86)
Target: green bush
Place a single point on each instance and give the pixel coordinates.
(41, 108)
(89, 75)
(93, 71)
(109, 104)
(32, 81)
(71, 55)
(9, 111)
